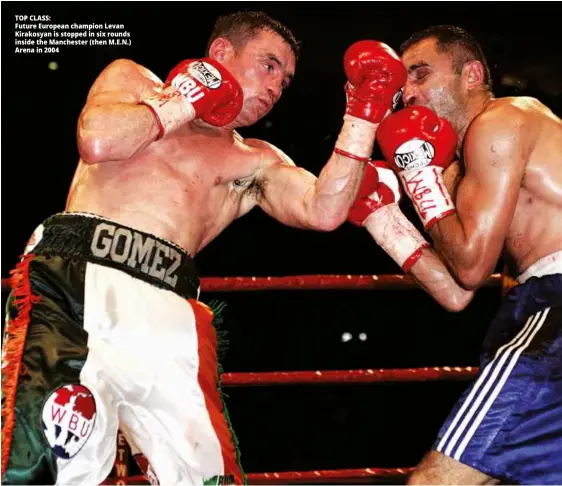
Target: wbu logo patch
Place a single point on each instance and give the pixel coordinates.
(68, 419)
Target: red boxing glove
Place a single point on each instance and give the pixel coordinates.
(197, 88)
(376, 208)
(378, 188)
(375, 79)
(418, 146)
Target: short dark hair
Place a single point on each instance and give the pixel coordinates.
(456, 41)
(239, 27)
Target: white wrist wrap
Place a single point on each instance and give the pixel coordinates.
(171, 109)
(428, 193)
(396, 235)
(356, 138)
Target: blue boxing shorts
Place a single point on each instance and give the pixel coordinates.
(508, 423)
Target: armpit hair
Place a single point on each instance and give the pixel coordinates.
(256, 189)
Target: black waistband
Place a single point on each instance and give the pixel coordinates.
(141, 255)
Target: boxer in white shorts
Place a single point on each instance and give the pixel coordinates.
(106, 367)
(104, 327)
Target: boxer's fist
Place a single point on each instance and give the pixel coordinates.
(196, 88)
(214, 93)
(376, 208)
(418, 145)
(375, 77)
(379, 187)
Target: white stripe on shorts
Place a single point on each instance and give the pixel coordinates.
(479, 392)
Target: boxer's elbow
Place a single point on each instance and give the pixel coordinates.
(91, 143)
(331, 224)
(320, 213)
(458, 300)
(91, 149)
(472, 266)
(472, 278)
(326, 221)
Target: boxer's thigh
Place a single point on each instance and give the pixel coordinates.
(437, 468)
(174, 413)
(49, 412)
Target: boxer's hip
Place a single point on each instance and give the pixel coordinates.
(548, 265)
(88, 238)
(537, 295)
(116, 310)
(131, 293)
(508, 423)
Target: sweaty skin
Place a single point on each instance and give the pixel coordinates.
(190, 185)
(507, 189)
(510, 196)
(389, 224)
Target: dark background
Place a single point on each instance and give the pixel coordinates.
(301, 427)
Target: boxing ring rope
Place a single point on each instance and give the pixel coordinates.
(404, 375)
(320, 477)
(313, 282)
(318, 282)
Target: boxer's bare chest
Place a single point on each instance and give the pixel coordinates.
(186, 188)
(213, 161)
(211, 180)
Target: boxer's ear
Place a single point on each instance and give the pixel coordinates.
(221, 49)
(473, 74)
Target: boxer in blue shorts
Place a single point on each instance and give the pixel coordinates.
(484, 175)
(508, 422)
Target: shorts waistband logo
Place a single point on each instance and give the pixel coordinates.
(136, 250)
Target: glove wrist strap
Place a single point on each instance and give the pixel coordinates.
(171, 110)
(428, 193)
(356, 139)
(351, 156)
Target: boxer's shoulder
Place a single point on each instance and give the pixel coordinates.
(269, 153)
(503, 133)
(501, 107)
(499, 118)
(127, 67)
(516, 109)
(125, 75)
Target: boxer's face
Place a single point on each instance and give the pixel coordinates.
(432, 81)
(264, 67)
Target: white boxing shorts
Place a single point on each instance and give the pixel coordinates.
(104, 332)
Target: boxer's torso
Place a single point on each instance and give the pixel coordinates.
(536, 227)
(186, 188)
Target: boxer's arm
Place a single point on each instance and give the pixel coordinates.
(435, 278)
(112, 125)
(296, 197)
(452, 176)
(495, 153)
(399, 238)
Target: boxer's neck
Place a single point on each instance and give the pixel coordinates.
(476, 105)
(202, 126)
